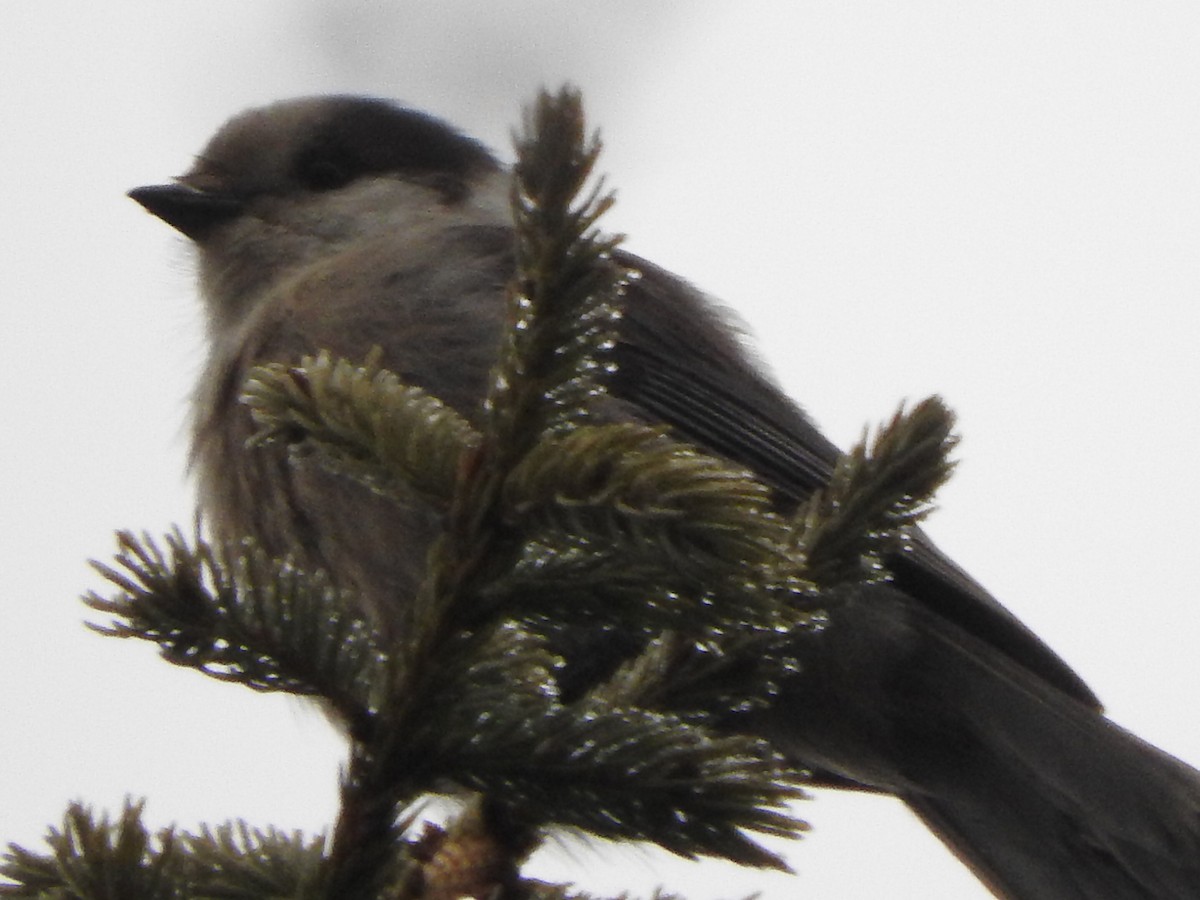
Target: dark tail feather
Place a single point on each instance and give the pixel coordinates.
(1039, 794)
(1107, 817)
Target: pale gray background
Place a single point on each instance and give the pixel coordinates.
(994, 201)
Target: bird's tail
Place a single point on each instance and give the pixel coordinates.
(1065, 805)
(1043, 797)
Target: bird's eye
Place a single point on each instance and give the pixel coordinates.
(321, 173)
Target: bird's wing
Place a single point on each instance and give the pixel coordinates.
(677, 367)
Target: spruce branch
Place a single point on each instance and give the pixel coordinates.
(560, 585)
(92, 858)
(707, 678)
(658, 533)
(584, 587)
(564, 302)
(480, 710)
(879, 490)
(560, 308)
(631, 484)
(494, 725)
(98, 859)
(561, 315)
(632, 774)
(363, 422)
(235, 614)
(497, 727)
(236, 862)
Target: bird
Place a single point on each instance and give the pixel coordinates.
(346, 223)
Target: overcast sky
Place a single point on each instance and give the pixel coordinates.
(997, 202)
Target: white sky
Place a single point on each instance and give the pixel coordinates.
(998, 202)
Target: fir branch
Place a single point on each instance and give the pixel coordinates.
(487, 717)
(658, 533)
(876, 495)
(632, 774)
(630, 485)
(367, 850)
(236, 862)
(493, 723)
(564, 303)
(562, 306)
(404, 755)
(618, 772)
(585, 586)
(362, 421)
(636, 588)
(237, 615)
(708, 678)
(95, 859)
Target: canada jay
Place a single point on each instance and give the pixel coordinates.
(342, 223)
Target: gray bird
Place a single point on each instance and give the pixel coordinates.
(342, 223)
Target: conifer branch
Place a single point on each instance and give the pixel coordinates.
(363, 422)
(658, 533)
(237, 615)
(586, 586)
(562, 310)
(879, 490)
(613, 770)
(707, 678)
(631, 774)
(490, 721)
(95, 859)
(564, 303)
(633, 589)
(236, 862)
(631, 484)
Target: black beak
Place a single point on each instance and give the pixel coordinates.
(192, 212)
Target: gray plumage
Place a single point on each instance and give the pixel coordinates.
(345, 223)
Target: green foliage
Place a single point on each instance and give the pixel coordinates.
(558, 530)
(629, 484)
(565, 301)
(876, 495)
(236, 862)
(364, 423)
(92, 859)
(238, 615)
